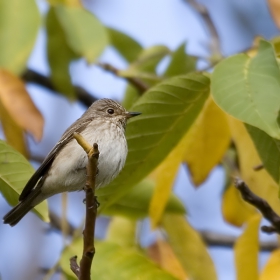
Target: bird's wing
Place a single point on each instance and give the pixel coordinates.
(45, 166)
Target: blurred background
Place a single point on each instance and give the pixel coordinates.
(32, 247)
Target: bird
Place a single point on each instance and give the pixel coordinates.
(64, 168)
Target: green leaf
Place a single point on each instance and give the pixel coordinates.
(130, 96)
(85, 34)
(248, 88)
(268, 149)
(144, 67)
(145, 76)
(127, 47)
(19, 24)
(180, 63)
(148, 59)
(168, 110)
(276, 44)
(135, 204)
(15, 171)
(114, 262)
(189, 248)
(76, 3)
(59, 55)
(122, 231)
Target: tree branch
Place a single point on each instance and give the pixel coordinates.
(83, 272)
(215, 239)
(137, 83)
(74, 266)
(261, 205)
(31, 76)
(55, 222)
(215, 45)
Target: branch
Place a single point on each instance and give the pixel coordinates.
(32, 76)
(215, 45)
(74, 266)
(137, 83)
(83, 272)
(261, 205)
(55, 222)
(226, 241)
(210, 238)
(214, 239)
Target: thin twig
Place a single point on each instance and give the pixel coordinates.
(261, 205)
(214, 239)
(55, 223)
(215, 45)
(137, 83)
(258, 167)
(91, 211)
(32, 76)
(74, 266)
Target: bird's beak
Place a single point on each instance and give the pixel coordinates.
(132, 114)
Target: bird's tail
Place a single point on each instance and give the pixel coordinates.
(20, 210)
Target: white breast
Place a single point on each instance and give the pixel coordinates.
(68, 171)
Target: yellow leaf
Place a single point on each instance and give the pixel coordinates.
(202, 147)
(246, 251)
(235, 210)
(274, 7)
(209, 139)
(122, 231)
(164, 176)
(69, 3)
(189, 248)
(19, 105)
(271, 270)
(162, 254)
(260, 182)
(13, 133)
(276, 44)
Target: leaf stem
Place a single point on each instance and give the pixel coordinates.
(137, 83)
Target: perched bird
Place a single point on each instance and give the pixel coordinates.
(64, 168)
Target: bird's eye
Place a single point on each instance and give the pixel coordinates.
(110, 111)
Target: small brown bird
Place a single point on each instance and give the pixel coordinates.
(64, 168)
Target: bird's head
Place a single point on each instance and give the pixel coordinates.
(112, 111)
